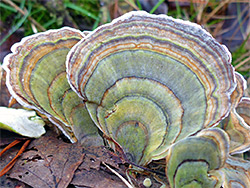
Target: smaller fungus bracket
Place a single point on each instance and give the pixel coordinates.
(36, 77)
(234, 124)
(191, 160)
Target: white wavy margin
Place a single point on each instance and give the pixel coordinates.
(6, 64)
(145, 14)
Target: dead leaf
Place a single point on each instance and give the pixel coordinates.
(92, 174)
(95, 155)
(49, 163)
(96, 179)
(4, 160)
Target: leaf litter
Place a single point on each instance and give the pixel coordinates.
(49, 162)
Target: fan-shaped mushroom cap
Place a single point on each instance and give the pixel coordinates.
(235, 125)
(243, 109)
(36, 77)
(150, 81)
(236, 173)
(193, 161)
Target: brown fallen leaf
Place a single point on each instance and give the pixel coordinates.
(4, 160)
(96, 155)
(96, 179)
(13, 161)
(92, 174)
(50, 162)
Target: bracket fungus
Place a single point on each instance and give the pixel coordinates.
(155, 86)
(235, 125)
(243, 109)
(214, 147)
(36, 77)
(150, 81)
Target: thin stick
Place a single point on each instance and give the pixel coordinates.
(119, 176)
(12, 162)
(8, 167)
(12, 101)
(132, 5)
(215, 10)
(242, 21)
(15, 142)
(242, 63)
(25, 13)
(242, 57)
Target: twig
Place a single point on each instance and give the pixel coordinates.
(15, 142)
(215, 11)
(12, 101)
(132, 5)
(242, 57)
(218, 27)
(13, 161)
(200, 8)
(119, 176)
(242, 63)
(25, 13)
(242, 21)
